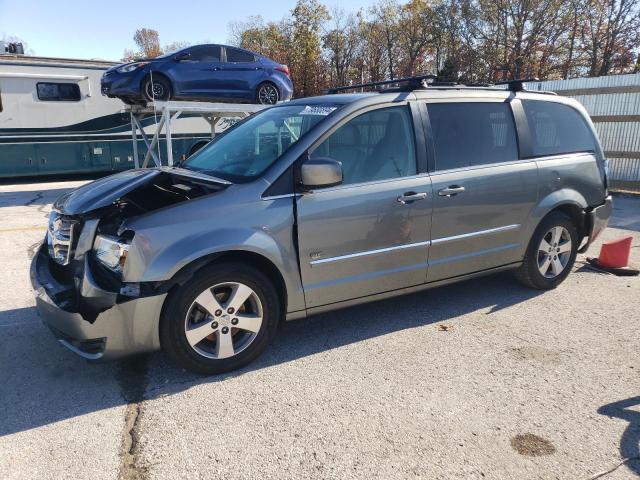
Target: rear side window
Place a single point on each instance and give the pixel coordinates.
(61, 92)
(469, 134)
(239, 56)
(376, 145)
(557, 129)
(207, 53)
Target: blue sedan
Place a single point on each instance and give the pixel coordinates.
(202, 72)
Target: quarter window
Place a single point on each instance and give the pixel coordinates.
(239, 56)
(557, 129)
(471, 134)
(61, 92)
(376, 145)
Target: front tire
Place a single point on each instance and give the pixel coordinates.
(221, 319)
(551, 253)
(158, 89)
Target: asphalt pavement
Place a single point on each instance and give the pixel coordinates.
(479, 380)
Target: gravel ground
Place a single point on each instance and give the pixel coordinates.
(483, 379)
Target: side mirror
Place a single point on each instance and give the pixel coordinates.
(182, 56)
(320, 172)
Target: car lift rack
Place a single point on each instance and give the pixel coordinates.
(169, 112)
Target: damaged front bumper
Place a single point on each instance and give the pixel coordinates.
(93, 322)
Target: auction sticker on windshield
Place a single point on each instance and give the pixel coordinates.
(322, 110)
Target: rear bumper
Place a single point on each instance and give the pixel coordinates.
(598, 219)
(286, 90)
(122, 329)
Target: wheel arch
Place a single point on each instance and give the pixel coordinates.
(575, 213)
(567, 201)
(246, 257)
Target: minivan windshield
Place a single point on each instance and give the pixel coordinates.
(248, 149)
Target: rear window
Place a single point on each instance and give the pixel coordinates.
(557, 129)
(239, 56)
(61, 92)
(470, 134)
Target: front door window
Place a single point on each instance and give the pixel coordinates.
(376, 145)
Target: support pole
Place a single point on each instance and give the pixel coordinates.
(134, 134)
(166, 114)
(150, 146)
(211, 112)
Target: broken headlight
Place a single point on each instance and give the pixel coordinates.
(111, 251)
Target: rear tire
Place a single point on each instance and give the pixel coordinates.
(551, 253)
(267, 94)
(159, 89)
(230, 338)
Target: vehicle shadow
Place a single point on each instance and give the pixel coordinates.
(630, 440)
(42, 383)
(626, 213)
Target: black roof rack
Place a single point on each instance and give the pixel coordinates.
(407, 83)
(518, 84)
(422, 82)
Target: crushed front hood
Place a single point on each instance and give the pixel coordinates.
(106, 191)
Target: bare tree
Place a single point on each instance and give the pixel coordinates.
(148, 42)
(469, 40)
(342, 43)
(611, 35)
(386, 16)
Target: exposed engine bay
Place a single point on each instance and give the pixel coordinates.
(87, 246)
(161, 191)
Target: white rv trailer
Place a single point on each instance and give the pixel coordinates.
(53, 120)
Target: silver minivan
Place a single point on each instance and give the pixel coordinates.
(319, 204)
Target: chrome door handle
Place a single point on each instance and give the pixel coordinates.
(450, 191)
(410, 197)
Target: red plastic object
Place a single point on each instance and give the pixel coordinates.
(615, 253)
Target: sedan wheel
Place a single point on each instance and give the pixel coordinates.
(223, 320)
(158, 89)
(268, 94)
(554, 252)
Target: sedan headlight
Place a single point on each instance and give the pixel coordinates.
(130, 67)
(111, 252)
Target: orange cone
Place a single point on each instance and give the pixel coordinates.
(615, 253)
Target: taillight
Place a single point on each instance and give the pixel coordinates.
(284, 69)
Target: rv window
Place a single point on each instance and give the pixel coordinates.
(63, 92)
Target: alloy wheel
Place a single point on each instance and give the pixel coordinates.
(268, 95)
(554, 252)
(223, 320)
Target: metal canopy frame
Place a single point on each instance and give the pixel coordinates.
(169, 112)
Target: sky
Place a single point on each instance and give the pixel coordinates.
(104, 29)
